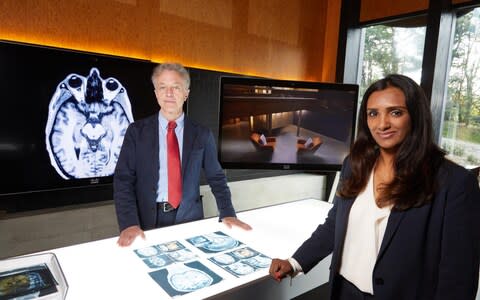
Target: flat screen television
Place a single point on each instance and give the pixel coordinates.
(282, 124)
(63, 117)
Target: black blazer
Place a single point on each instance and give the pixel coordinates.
(429, 252)
(136, 175)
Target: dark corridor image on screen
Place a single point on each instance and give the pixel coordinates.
(273, 124)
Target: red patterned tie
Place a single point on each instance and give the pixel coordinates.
(174, 167)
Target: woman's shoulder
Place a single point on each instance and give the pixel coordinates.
(450, 171)
(450, 166)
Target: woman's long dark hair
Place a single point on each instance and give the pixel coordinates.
(416, 161)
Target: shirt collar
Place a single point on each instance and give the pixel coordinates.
(164, 122)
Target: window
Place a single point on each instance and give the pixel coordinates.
(460, 134)
(448, 70)
(391, 49)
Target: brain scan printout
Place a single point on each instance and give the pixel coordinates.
(214, 242)
(242, 261)
(179, 270)
(87, 120)
(161, 255)
(182, 278)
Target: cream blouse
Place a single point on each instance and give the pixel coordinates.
(366, 227)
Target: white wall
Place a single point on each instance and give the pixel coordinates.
(255, 193)
(27, 233)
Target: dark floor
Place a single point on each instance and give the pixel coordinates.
(318, 293)
(237, 147)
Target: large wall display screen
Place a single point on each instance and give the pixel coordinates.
(280, 124)
(64, 115)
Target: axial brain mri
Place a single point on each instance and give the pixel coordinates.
(87, 120)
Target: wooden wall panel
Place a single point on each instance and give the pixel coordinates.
(330, 42)
(463, 1)
(273, 38)
(378, 9)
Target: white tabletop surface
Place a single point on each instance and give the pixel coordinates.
(103, 270)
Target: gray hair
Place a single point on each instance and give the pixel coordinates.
(171, 66)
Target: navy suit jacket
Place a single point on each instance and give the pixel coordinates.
(137, 171)
(429, 252)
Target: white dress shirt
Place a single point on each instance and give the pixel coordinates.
(162, 188)
(366, 227)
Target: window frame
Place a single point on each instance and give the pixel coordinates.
(440, 29)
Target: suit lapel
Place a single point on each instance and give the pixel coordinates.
(189, 133)
(394, 221)
(344, 212)
(155, 145)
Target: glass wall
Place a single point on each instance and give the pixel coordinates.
(460, 134)
(451, 76)
(391, 49)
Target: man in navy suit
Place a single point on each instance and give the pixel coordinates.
(141, 176)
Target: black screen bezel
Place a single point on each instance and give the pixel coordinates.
(28, 59)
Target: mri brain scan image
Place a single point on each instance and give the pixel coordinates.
(87, 120)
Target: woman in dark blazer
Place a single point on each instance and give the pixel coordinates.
(405, 223)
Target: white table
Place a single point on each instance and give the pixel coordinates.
(103, 270)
